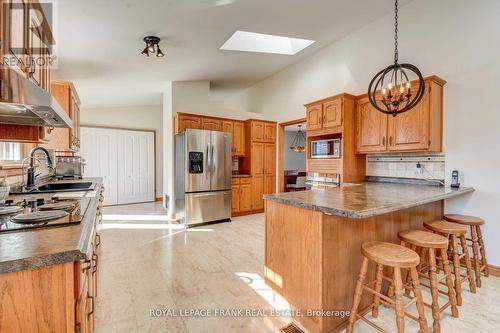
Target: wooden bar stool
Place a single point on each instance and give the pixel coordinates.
(397, 257)
(480, 263)
(433, 244)
(452, 231)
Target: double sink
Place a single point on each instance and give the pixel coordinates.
(56, 186)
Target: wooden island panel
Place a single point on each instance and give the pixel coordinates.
(313, 259)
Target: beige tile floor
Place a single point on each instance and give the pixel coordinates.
(149, 263)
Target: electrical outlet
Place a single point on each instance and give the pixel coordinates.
(419, 169)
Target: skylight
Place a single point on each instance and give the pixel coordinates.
(255, 42)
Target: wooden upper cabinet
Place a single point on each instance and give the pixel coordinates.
(15, 33)
(269, 132)
(314, 117)
(228, 127)
(184, 121)
(257, 128)
(324, 116)
(419, 129)
(64, 139)
(332, 113)
(263, 131)
(371, 128)
(211, 124)
(239, 138)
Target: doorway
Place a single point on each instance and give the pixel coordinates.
(124, 159)
(292, 155)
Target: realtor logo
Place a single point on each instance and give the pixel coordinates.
(28, 40)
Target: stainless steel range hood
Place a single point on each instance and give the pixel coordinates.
(24, 103)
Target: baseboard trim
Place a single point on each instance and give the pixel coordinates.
(250, 212)
(494, 270)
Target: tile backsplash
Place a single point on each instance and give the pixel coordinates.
(404, 166)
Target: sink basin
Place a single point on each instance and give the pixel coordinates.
(51, 187)
(57, 187)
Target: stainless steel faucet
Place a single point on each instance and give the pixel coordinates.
(31, 177)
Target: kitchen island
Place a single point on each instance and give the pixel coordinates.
(313, 241)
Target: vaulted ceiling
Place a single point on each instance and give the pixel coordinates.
(99, 42)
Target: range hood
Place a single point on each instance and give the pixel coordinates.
(24, 103)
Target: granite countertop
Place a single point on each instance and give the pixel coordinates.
(48, 246)
(367, 199)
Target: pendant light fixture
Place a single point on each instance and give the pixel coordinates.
(152, 46)
(299, 141)
(390, 91)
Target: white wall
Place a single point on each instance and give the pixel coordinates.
(456, 39)
(293, 160)
(137, 117)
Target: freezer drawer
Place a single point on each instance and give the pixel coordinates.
(207, 207)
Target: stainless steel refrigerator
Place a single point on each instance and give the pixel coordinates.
(203, 176)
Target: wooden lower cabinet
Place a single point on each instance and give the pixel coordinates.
(235, 198)
(257, 192)
(269, 184)
(241, 195)
(245, 197)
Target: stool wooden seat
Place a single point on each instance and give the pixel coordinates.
(446, 227)
(479, 260)
(423, 239)
(453, 231)
(389, 254)
(464, 219)
(432, 244)
(397, 257)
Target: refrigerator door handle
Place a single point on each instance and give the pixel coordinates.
(209, 166)
(212, 171)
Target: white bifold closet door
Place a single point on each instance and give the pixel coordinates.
(125, 160)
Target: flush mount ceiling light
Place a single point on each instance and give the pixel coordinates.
(152, 46)
(299, 141)
(263, 43)
(397, 96)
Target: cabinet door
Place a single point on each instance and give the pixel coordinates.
(410, 130)
(75, 131)
(228, 126)
(269, 184)
(186, 121)
(257, 192)
(269, 158)
(35, 44)
(332, 113)
(239, 139)
(257, 167)
(235, 198)
(245, 197)
(257, 131)
(15, 43)
(211, 124)
(371, 128)
(269, 132)
(314, 117)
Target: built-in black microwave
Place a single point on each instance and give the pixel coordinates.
(329, 148)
